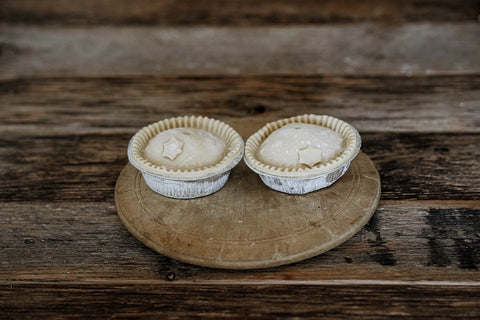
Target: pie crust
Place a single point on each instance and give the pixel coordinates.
(311, 175)
(192, 158)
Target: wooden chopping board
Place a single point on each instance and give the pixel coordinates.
(246, 225)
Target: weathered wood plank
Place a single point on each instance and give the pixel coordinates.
(63, 250)
(85, 167)
(404, 241)
(217, 12)
(66, 105)
(414, 163)
(361, 48)
(199, 301)
(65, 138)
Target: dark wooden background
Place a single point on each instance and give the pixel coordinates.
(78, 78)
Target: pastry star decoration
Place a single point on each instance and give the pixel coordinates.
(310, 156)
(172, 148)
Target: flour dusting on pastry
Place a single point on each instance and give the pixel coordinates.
(298, 145)
(185, 148)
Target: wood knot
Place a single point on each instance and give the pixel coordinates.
(171, 276)
(259, 109)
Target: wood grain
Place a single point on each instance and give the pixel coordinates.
(85, 167)
(404, 241)
(246, 225)
(217, 12)
(77, 79)
(88, 105)
(237, 301)
(410, 49)
(64, 139)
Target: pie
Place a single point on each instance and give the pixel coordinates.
(186, 157)
(302, 154)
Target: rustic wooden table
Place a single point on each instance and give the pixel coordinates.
(78, 78)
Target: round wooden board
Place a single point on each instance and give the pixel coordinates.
(246, 225)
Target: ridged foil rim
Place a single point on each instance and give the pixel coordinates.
(233, 141)
(348, 133)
